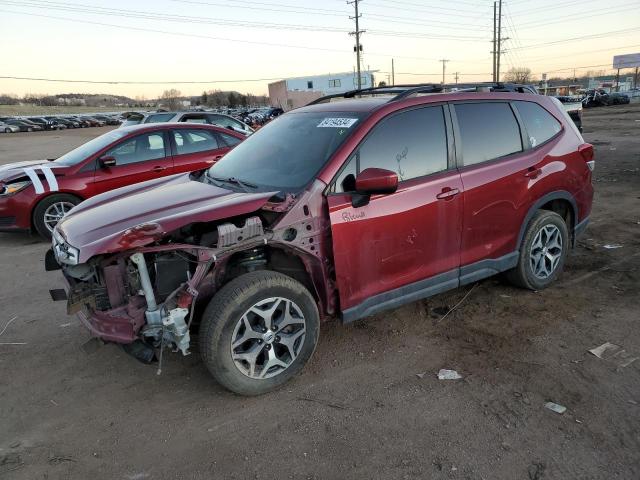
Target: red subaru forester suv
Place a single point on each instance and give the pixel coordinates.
(341, 208)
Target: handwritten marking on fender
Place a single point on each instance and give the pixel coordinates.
(352, 217)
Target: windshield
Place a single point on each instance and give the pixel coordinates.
(287, 153)
(83, 151)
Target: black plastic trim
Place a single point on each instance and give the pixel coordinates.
(431, 286)
(557, 195)
(399, 296)
(486, 268)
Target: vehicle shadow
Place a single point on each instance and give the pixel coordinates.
(17, 239)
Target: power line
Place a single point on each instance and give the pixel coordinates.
(207, 37)
(583, 37)
(208, 20)
(131, 82)
(291, 9)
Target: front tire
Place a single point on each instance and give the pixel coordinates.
(50, 211)
(543, 252)
(258, 332)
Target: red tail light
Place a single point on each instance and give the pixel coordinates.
(586, 150)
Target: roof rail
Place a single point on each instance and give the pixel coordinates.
(403, 91)
(389, 89)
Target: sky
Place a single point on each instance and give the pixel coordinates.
(242, 45)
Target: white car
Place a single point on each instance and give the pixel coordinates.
(6, 128)
(192, 117)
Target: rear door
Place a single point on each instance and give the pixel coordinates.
(138, 159)
(497, 169)
(403, 245)
(196, 149)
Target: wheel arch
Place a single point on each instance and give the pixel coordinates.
(300, 266)
(561, 202)
(43, 198)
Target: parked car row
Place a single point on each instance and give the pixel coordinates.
(210, 118)
(55, 122)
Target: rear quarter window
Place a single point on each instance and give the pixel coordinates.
(540, 125)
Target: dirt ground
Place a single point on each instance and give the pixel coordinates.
(360, 409)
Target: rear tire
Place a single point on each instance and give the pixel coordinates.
(58, 203)
(543, 252)
(258, 332)
(7, 130)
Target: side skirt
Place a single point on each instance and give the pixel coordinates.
(430, 286)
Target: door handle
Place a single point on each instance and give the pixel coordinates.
(447, 193)
(533, 172)
(158, 168)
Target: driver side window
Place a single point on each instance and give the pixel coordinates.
(412, 144)
(148, 146)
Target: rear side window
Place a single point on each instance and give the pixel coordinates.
(488, 131)
(411, 143)
(539, 124)
(159, 117)
(193, 141)
(230, 139)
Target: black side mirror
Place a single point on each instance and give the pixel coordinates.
(108, 162)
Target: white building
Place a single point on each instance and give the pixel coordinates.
(296, 92)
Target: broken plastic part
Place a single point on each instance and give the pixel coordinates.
(229, 234)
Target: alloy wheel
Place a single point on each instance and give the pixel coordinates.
(268, 338)
(546, 251)
(54, 213)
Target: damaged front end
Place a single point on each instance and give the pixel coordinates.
(148, 294)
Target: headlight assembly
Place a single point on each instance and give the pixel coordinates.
(11, 188)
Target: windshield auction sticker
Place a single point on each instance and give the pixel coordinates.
(337, 122)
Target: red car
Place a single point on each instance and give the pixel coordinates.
(35, 195)
(335, 209)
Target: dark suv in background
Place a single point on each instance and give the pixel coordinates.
(341, 208)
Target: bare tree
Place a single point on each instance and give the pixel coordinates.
(171, 99)
(519, 75)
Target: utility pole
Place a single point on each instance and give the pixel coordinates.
(456, 77)
(494, 41)
(393, 73)
(357, 33)
(444, 62)
(499, 53)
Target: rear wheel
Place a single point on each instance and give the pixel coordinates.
(50, 211)
(258, 332)
(544, 249)
(7, 130)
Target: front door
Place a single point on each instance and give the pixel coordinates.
(138, 159)
(405, 245)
